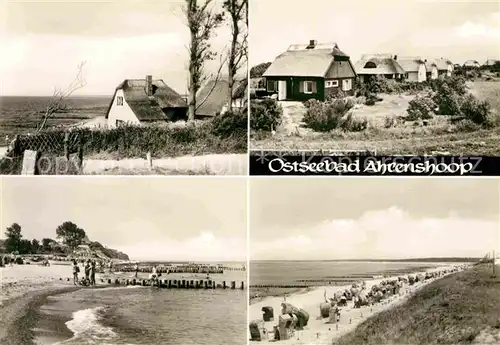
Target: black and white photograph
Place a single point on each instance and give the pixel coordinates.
(413, 77)
(116, 261)
(378, 261)
(110, 87)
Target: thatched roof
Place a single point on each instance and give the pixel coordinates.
(149, 108)
(298, 61)
(442, 64)
(490, 62)
(412, 63)
(213, 96)
(385, 64)
(471, 63)
(430, 64)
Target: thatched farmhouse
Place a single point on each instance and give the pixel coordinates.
(471, 64)
(139, 101)
(212, 98)
(432, 69)
(445, 67)
(384, 65)
(307, 71)
(414, 68)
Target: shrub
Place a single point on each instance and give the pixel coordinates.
(466, 125)
(325, 116)
(230, 124)
(265, 115)
(350, 124)
(475, 110)
(421, 108)
(447, 101)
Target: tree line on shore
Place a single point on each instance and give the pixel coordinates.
(70, 236)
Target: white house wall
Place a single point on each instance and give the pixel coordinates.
(422, 73)
(413, 76)
(434, 73)
(121, 112)
(450, 70)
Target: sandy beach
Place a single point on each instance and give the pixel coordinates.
(318, 331)
(25, 288)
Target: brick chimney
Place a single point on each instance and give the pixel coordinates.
(312, 44)
(149, 85)
(395, 57)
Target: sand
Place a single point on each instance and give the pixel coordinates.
(319, 331)
(23, 288)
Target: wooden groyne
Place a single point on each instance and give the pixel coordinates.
(279, 286)
(175, 283)
(167, 269)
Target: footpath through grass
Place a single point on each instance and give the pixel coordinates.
(463, 308)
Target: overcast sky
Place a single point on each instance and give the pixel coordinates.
(459, 30)
(379, 218)
(153, 218)
(42, 44)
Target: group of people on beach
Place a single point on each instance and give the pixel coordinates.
(8, 260)
(89, 268)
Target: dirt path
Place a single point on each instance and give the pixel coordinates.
(217, 164)
(292, 124)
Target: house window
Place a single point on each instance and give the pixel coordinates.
(120, 122)
(309, 87)
(272, 86)
(331, 83)
(119, 100)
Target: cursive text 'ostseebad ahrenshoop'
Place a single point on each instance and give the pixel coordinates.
(279, 165)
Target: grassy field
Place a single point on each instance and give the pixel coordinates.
(437, 136)
(462, 308)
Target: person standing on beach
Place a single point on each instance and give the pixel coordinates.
(136, 269)
(76, 269)
(92, 273)
(87, 271)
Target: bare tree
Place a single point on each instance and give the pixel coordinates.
(58, 101)
(238, 51)
(202, 20)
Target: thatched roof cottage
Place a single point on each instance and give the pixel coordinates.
(445, 67)
(139, 101)
(385, 65)
(432, 69)
(414, 67)
(310, 71)
(471, 64)
(212, 98)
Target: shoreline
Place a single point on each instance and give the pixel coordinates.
(279, 290)
(319, 332)
(19, 314)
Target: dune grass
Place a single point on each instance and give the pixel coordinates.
(463, 308)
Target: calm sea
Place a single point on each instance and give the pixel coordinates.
(291, 272)
(144, 316)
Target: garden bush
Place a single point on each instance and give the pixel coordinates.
(265, 115)
(421, 108)
(350, 124)
(447, 100)
(466, 125)
(325, 116)
(229, 124)
(475, 110)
